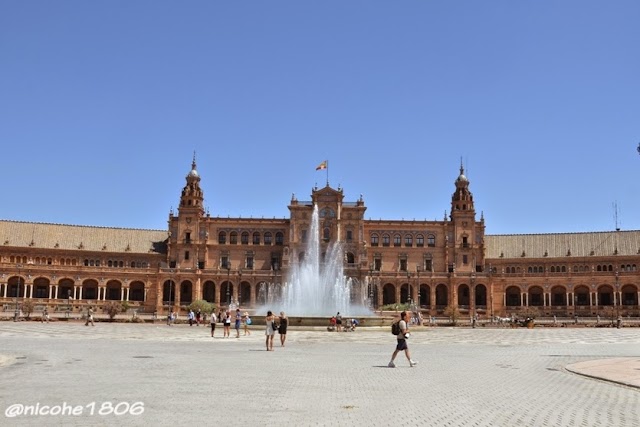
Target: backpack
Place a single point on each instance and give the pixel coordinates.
(395, 328)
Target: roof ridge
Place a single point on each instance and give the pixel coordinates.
(79, 225)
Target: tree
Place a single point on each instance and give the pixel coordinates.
(27, 307)
(202, 305)
(453, 313)
(112, 308)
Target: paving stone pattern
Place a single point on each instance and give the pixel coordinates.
(466, 377)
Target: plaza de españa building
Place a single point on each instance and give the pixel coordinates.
(432, 264)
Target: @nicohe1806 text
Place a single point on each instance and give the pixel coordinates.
(67, 409)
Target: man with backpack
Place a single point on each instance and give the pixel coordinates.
(401, 330)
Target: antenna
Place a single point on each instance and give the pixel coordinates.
(615, 215)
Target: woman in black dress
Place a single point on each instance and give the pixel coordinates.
(282, 328)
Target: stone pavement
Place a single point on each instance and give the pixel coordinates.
(143, 374)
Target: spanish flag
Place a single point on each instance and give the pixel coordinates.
(321, 166)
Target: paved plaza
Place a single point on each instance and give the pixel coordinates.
(153, 374)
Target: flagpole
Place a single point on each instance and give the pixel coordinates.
(327, 172)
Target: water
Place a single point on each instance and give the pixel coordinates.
(317, 287)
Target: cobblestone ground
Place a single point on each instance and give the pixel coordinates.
(466, 377)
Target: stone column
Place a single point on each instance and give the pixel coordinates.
(397, 292)
(79, 292)
(144, 298)
(126, 294)
(252, 298)
(432, 297)
(177, 297)
(234, 296)
(198, 291)
(55, 294)
(472, 299)
(121, 292)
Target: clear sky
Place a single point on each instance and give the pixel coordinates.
(102, 104)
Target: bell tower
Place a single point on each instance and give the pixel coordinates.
(191, 200)
(465, 236)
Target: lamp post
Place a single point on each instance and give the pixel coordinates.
(228, 279)
(419, 296)
(17, 312)
(68, 303)
(618, 299)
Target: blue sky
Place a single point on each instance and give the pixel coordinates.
(102, 105)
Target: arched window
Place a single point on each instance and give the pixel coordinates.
(267, 238)
(420, 241)
(233, 238)
(222, 238)
(374, 240)
(431, 241)
(396, 240)
(408, 240)
(244, 238)
(279, 238)
(385, 240)
(256, 238)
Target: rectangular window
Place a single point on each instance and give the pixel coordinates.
(349, 236)
(187, 238)
(172, 264)
(186, 255)
(465, 259)
(377, 264)
(304, 236)
(249, 263)
(403, 265)
(428, 265)
(201, 265)
(225, 262)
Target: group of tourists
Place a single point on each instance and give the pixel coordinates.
(225, 317)
(272, 327)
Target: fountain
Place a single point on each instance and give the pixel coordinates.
(316, 287)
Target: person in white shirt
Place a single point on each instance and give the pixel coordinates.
(402, 341)
(214, 319)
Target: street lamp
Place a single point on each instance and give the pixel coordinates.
(419, 296)
(17, 312)
(228, 279)
(68, 303)
(618, 296)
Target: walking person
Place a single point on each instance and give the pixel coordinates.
(191, 317)
(282, 328)
(402, 342)
(213, 322)
(89, 317)
(227, 324)
(270, 330)
(45, 315)
(247, 322)
(238, 321)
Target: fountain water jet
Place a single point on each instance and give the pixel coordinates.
(316, 288)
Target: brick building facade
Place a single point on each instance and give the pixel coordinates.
(222, 260)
